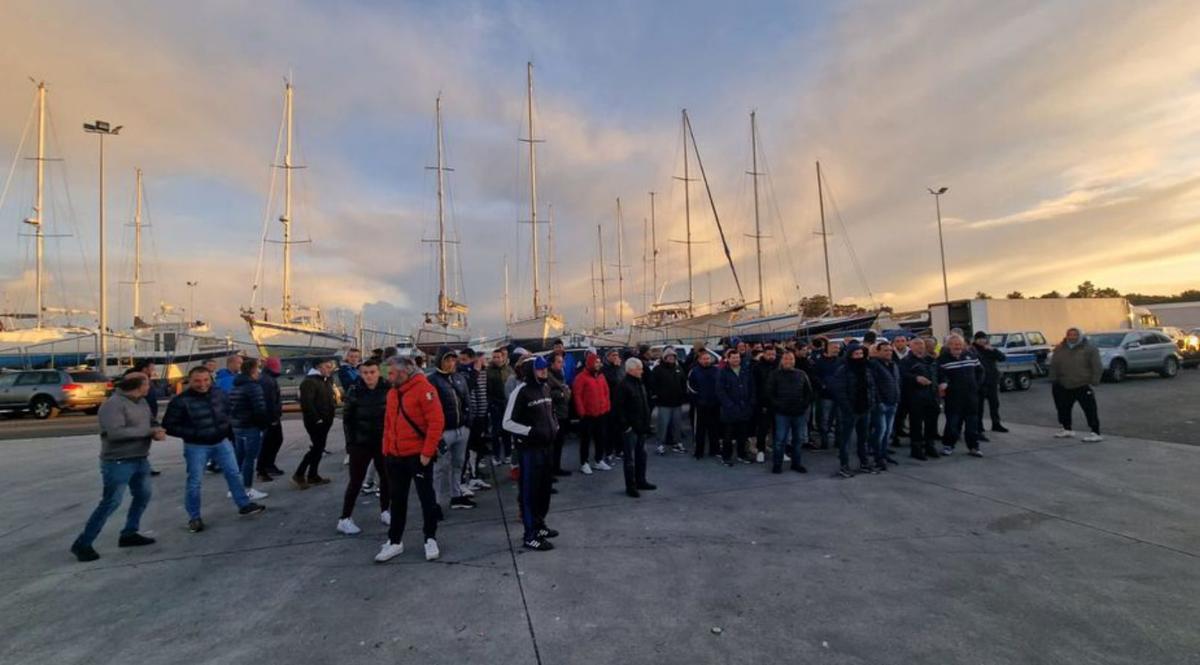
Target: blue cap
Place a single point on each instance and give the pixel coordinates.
(540, 363)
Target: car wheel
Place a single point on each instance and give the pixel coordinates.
(43, 407)
(1117, 370)
(1007, 383)
(1170, 368)
(1024, 381)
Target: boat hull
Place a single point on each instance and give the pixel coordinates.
(41, 348)
(703, 328)
(431, 338)
(536, 334)
(283, 340)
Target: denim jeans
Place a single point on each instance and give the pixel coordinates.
(856, 425)
(883, 420)
(447, 469)
(196, 456)
(791, 433)
(116, 474)
(826, 416)
(669, 424)
(247, 444)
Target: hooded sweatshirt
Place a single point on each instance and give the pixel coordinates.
(590, 389)
(1076, 365)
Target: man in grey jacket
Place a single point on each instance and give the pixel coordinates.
(1074, 369)
(126, 430)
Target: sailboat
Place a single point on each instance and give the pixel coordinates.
(679, 321)
(537, 331)
(448, 325)
(300, 331)
(41, 344)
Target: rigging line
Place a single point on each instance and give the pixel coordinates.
(716, 217)
(785, 246)
(72, 218)
(266, 228)
(849, 246)
(17, 155)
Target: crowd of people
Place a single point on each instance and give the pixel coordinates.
(441, 429)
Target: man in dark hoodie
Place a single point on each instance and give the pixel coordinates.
(248, 414)
(790, 395)
(959, 377)
(735, 392)
(989, 392)
(918, 371)
(632, 409)
(854, 392)
(318, 406)
(764, 415)
(529, 416)
(589, 392)
(667, 394)
(273, 434)
(454, 394)
(702, 389)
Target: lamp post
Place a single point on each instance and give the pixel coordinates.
(937, 200)
(192, 300)
(102, 129)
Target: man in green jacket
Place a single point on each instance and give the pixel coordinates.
(1074, 369)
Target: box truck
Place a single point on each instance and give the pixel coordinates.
(1051, 316)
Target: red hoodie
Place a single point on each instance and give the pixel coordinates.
(422, 405)
(590, 389)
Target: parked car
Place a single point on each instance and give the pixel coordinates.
(1188, 343)
(1124, 352)
(1023, 342)
(46, 392)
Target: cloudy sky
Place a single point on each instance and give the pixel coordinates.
(1067, 132)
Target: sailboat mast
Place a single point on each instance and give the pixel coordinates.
(654, 252)
(603, 286)
(537, 308)
(286, 218)
(550, 256)
(595, 314)
(645, 263)
(762, 305)
(443, 306)
(507, 309)
(36, 221)
(137, 247)
(824, 238)
(620, 266)
(687, 215)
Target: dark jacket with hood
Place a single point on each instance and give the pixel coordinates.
(247, 404)
(853, 387)
(760, 371)
(363, 415)
(823, 369)
(455, 396)
(989, 359)
(613, 374)
(271, 395)
(632, 406)
(667, 384)
(590, 390)
(887, 381)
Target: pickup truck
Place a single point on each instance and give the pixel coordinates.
(1025, 342)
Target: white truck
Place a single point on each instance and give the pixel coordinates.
(1051, 316)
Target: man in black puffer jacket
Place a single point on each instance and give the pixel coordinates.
(790, 396)
(318, 406)
(632, 412)
(248, 415)
(668, 391)
(273, 434)
(918, 372)
(854, 393)
(198, 416)
(362, 421)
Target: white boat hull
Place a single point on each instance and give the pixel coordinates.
(536, 334)
(284, 340)
(29, 348)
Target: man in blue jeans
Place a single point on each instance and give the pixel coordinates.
(200, 417)
(887, 401)
(790, 396)
(825, 365)
(249, 417)
(126, 429)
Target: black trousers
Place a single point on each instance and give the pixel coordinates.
(989, 394)
(901, 420)
(735, 439)
(402, 472)
(591, 434)
(317, 434)
(764, 426)
(360, 460)
(962, 417)
(533, 490)
(1064, 403)
(635, 460)
(559, 440)
(707, 433)
(612, 434)
(923, 423)
(272, 442)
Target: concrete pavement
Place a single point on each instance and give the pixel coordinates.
(1045, 551)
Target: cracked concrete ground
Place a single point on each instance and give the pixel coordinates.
(1043, 552)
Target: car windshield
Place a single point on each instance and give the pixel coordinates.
(88, 377)
(1107, 340)
(996, 340)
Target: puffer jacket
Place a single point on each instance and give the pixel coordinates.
(667, 385)
(824, 368)
(363, 415)
(887, 381)
(846, 385)
(271, 395)
(788, 392)
(912, 367)
(1076, 367)
(735, 393)
(761, 370)
(317, 402)
(702, 385)
(198, 418)
(247, 405)
(590, 391)
(421, 403)
(633, 406)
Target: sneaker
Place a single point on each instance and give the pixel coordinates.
(746, 460)
(461, 503)
(996, 427)
(760, 458)
(678, 448)
(1064, 434)
(983, 438)
(196, 525)
(787, 458)
(538, 545)
(799, 468)
(370, 488)
(496, 461)
(251, 509)
(868, 469)
(134, 540)
(1092, 438)
(431, 550)
(300, 482)
(389, 552)
(84, 553)
(264, 477)
(974, 452)
(603, 466)
(880, 467)
(153, 472)
(479, 484)
(844, 472)
(947, 451)
(585, 469)
(347, 526)
(254, 494)
(274, 470)
(466, 491)
(318, 480)
(546, 532)
(385, 517)
(661, 449)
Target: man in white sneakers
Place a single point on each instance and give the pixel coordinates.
(1074, 370)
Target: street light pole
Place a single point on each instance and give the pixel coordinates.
(103, 129)
(937, 201)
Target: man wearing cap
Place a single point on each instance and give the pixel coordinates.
(529, 417)
(668, 391)
(989, 392)
(454, 394)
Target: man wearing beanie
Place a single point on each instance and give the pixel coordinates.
(529, 417)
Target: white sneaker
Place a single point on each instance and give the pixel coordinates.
(760, 457)
(1092, 438)
(255, 495)
(479, 484)
(346, 461)
(347, 526)
(603, 466)
(466, 490)
(787, 457)
(370, 488)
(585, 469)
(661, 449)
(389, 551)
(386, 517)
(1064, 434)
(431, 550)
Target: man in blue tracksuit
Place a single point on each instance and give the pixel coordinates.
(735, 393)
(529, 417)
(959, 375)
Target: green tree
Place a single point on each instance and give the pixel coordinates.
(814, 305)
(1052, 294)
(1015, 295)
(1107, 292)
(980, 295)
(1084, 290)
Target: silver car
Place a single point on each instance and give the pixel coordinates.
(1130, 351)
(45, 392)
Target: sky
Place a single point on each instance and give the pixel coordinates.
(1067, 134)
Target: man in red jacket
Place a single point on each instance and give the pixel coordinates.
(412, 428)
(590, 394)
